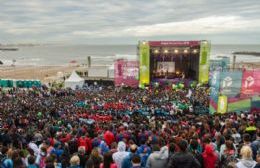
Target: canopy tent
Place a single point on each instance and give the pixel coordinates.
(5, 83)
(74, 81)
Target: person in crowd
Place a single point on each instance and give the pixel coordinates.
(183, 158)
(210, 157)
(127, 161)
(247, 141)
(55, 124)
(108, 161)
(120, 154)
(158, 158)
(31, 162)
(227, 153)
(196, 150)
(246, 160)
(96, 158)
(82, 156)
(136, 161)
(258, 161)
(40, 160)
(7, 161)
(172, 150)
(75, 162)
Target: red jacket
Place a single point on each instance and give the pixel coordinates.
(210, 158)
(85, 142)
(109, 137)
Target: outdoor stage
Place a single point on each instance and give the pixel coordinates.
(173, 61)
(165, 61)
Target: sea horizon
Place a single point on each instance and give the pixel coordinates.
(101, 54)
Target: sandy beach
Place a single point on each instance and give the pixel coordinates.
(54, 73)
(43, 73)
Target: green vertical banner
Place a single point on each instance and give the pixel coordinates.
(222, 104)
(144, 55)
(204, 62)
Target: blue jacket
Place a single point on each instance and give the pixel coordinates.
(127, 161)
(7, 163)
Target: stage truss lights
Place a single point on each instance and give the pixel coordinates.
(195, 51)
(176, 51)
(156, 51)
(166, 51)
(185, 51)
(143, 42)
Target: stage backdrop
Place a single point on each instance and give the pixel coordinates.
(242, 90)
(231, 83)
(144, 74)
(251, 83)
(204, 62)
(126, 73)
(166, 67)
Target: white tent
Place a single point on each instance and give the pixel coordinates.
(74, 81)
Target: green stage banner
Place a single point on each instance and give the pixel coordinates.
(144, 52)
(222, 104)
(204, 62)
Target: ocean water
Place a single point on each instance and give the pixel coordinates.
(100, 54)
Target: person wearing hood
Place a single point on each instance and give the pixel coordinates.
(247, 160)
(158, 158)
(183, 159)
(210, 158)
(121, 153)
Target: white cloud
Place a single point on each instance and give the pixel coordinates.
(84, 20)
(208, 25)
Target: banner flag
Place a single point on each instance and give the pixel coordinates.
(214, 85)
(222, 104)
(144, 73)
(126, 73)
(204, 62)
(230, 83)
(250, 83)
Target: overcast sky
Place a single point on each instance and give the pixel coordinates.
(127, 21)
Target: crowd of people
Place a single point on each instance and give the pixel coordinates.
(107, 127)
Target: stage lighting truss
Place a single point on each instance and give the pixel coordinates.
(156, 51)
(175, 51)
(185, 51)
(195, 51)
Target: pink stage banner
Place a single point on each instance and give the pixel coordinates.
(251, 82)
(126, 73)
(174, 43)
